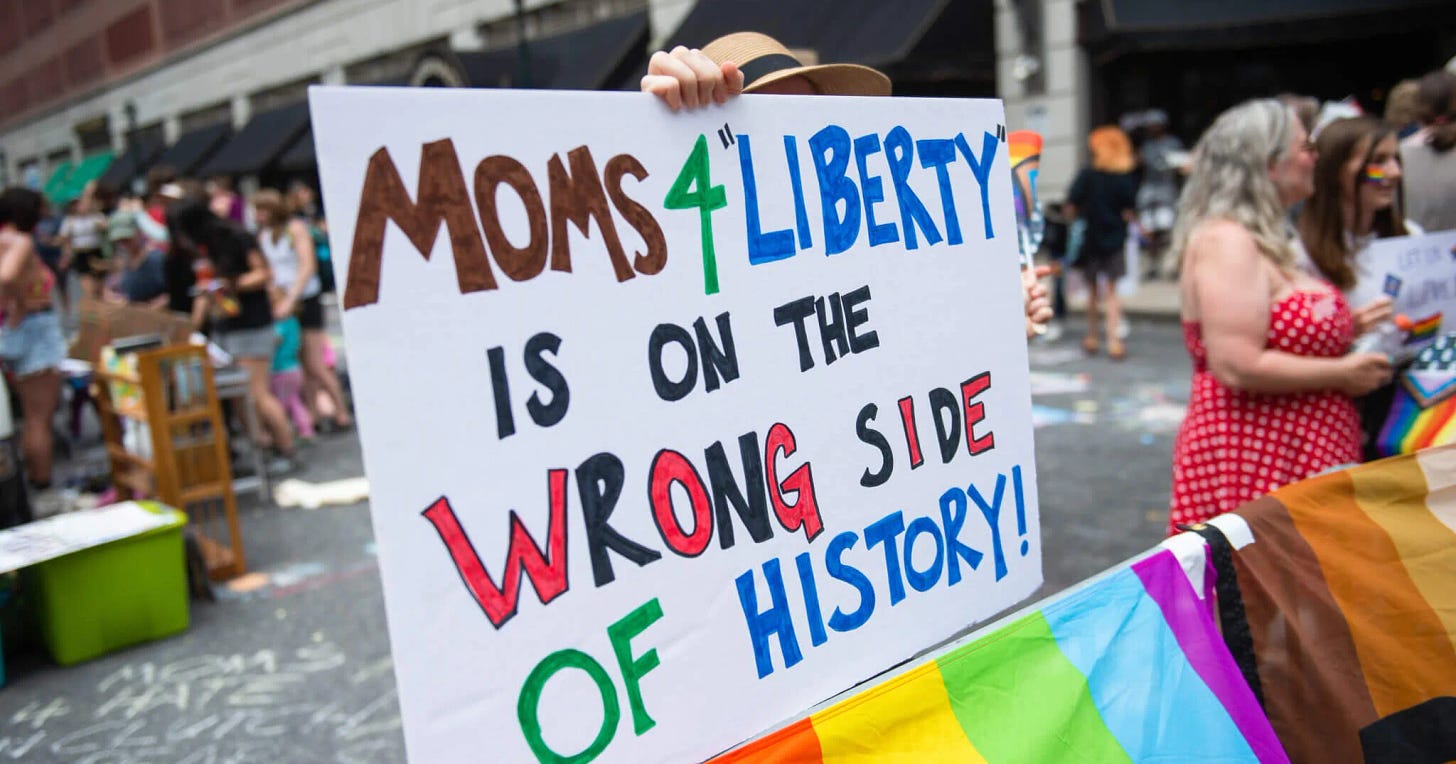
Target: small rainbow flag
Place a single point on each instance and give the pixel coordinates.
(1023, 145)
(1130, 668)
(1375, 175)
(1424, 329)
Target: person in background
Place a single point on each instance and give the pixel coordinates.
(1428, 157)
(232, 296)
(159, 178)
(688, 78)
(1163, 160)
(48, 247)
(1273, 387)
(286, 380)
(1403, 108)
(179, 266)
(303, 203)
(82, 233)
(1355, 202)
(223, 202)
(31, 342)
(1306, 109)
(1104, 196)
(288, 245)
(142, 279)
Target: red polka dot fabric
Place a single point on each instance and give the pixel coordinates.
(1235, 446)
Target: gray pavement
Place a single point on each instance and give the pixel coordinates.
(294, 666)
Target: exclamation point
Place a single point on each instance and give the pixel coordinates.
(1020, 509)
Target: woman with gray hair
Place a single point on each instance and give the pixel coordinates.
(1271, 400)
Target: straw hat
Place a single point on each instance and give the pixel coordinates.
(764, 60)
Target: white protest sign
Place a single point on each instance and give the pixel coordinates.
(1419, 272)
(675, 424)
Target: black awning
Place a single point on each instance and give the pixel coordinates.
(194, 148)
(299, 156)
(260, 142)
(866, 32)
(589, 58)
(1132, 25)
(136, 160)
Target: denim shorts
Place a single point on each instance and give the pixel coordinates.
(34, 346)
(248, 343)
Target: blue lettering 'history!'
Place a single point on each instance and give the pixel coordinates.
(851, 585)
(852, 197)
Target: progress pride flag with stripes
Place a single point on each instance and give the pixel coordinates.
(1350, 594)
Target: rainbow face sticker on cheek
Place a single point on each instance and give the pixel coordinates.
(1375, 175)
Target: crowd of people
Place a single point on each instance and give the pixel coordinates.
(1262, 222)
(1279, 204)
(249, 275)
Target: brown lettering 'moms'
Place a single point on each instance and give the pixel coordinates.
(579, 196)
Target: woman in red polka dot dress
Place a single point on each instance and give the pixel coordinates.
(1271, 401)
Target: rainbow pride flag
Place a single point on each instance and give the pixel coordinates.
(1128, 668)
(1423, 409)
(1349, 591)
(1424, 329)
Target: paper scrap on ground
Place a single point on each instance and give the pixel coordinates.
(300, 493)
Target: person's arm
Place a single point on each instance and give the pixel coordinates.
(258, 276)
(67, 252)
(307, 266)
(1231, 286)
(151, 229)
(199, 312)
(13, 260)
(1037, 299)
(688, 79)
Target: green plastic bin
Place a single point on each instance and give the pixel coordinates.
(121, 593)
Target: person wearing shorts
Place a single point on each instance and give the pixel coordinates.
(287, 244)
(31, 342)
(235, 297)
(83, 233)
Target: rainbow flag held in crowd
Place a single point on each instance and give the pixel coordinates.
(1423, 410)
(1128, 668)
(1425, 329)
(1349, 590)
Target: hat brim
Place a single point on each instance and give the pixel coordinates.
(831, 79)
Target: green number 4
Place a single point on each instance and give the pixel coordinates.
(693, 189)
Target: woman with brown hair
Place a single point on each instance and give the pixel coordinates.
(287, 243)
(1356, 178)
(1355, 201)
(1105, 197)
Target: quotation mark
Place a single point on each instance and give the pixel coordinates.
(1001, 133)
(726, 136)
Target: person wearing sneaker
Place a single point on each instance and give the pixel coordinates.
(31, 342)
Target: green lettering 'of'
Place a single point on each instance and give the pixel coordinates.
(693, 189)
(620, 634)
